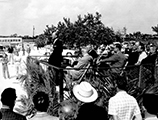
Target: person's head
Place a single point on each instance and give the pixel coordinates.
(8, 97)
(117, 47)
(41, 101)
(17, 52)
(86, 49)
(57, 44)
(121, 83)
(5, 55)
(141, 48)
(85, 93)
(152, 49)
(93, 53)
(150, 103)
(90, 111)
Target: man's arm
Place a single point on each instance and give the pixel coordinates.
(138, 117)
(115, 117)
(110, 59)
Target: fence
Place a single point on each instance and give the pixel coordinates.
(138, 76)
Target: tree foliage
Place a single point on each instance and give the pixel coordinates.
(88, 29)
(85, 30)
(41, 40)
(155, 29)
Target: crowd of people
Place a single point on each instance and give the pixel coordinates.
(121, 106)
(14, 56)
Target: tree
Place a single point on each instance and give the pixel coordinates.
(48, 33)
(155, 29)
(85, 30)
(41, 41)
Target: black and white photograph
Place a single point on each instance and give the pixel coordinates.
(78, 59)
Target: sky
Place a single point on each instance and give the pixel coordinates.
(19, 16)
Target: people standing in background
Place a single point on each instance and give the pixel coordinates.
(17, 59)
(10, 54)
(28, 49)
(5, 66)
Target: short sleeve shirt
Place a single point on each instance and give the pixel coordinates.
(124, 106)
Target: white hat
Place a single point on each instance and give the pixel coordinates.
(85, 92)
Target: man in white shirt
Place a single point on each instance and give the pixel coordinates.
(142, 55)
(123, 106)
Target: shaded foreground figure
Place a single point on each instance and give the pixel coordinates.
(86, 94)
(8, 98)
(151, 106)
(41, 103)
(123, 106)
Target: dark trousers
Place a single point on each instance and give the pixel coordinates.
(5, 70)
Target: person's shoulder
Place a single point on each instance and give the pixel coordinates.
(52, 117)
(113, 98)
(19, 116)
(132, 98)
(55, 118)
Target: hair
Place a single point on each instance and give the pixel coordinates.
(58, 44)
(142, 47)
(8, 97)
(118, 46)
(121, 82)
(41, 101)
(150, 103)
(93, 53)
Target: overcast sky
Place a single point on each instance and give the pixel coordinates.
(19, 16)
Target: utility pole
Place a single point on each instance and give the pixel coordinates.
(33, 32)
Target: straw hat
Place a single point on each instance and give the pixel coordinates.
(85, 92)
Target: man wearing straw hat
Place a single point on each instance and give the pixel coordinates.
(88, 95)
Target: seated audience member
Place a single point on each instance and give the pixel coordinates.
(41, 103)
(88, 110)
(151, 106)
(151, 57)
(8, 98)
(150, 61)
(142, 54)
(74, 73)
(117, 61)
(133, 55)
